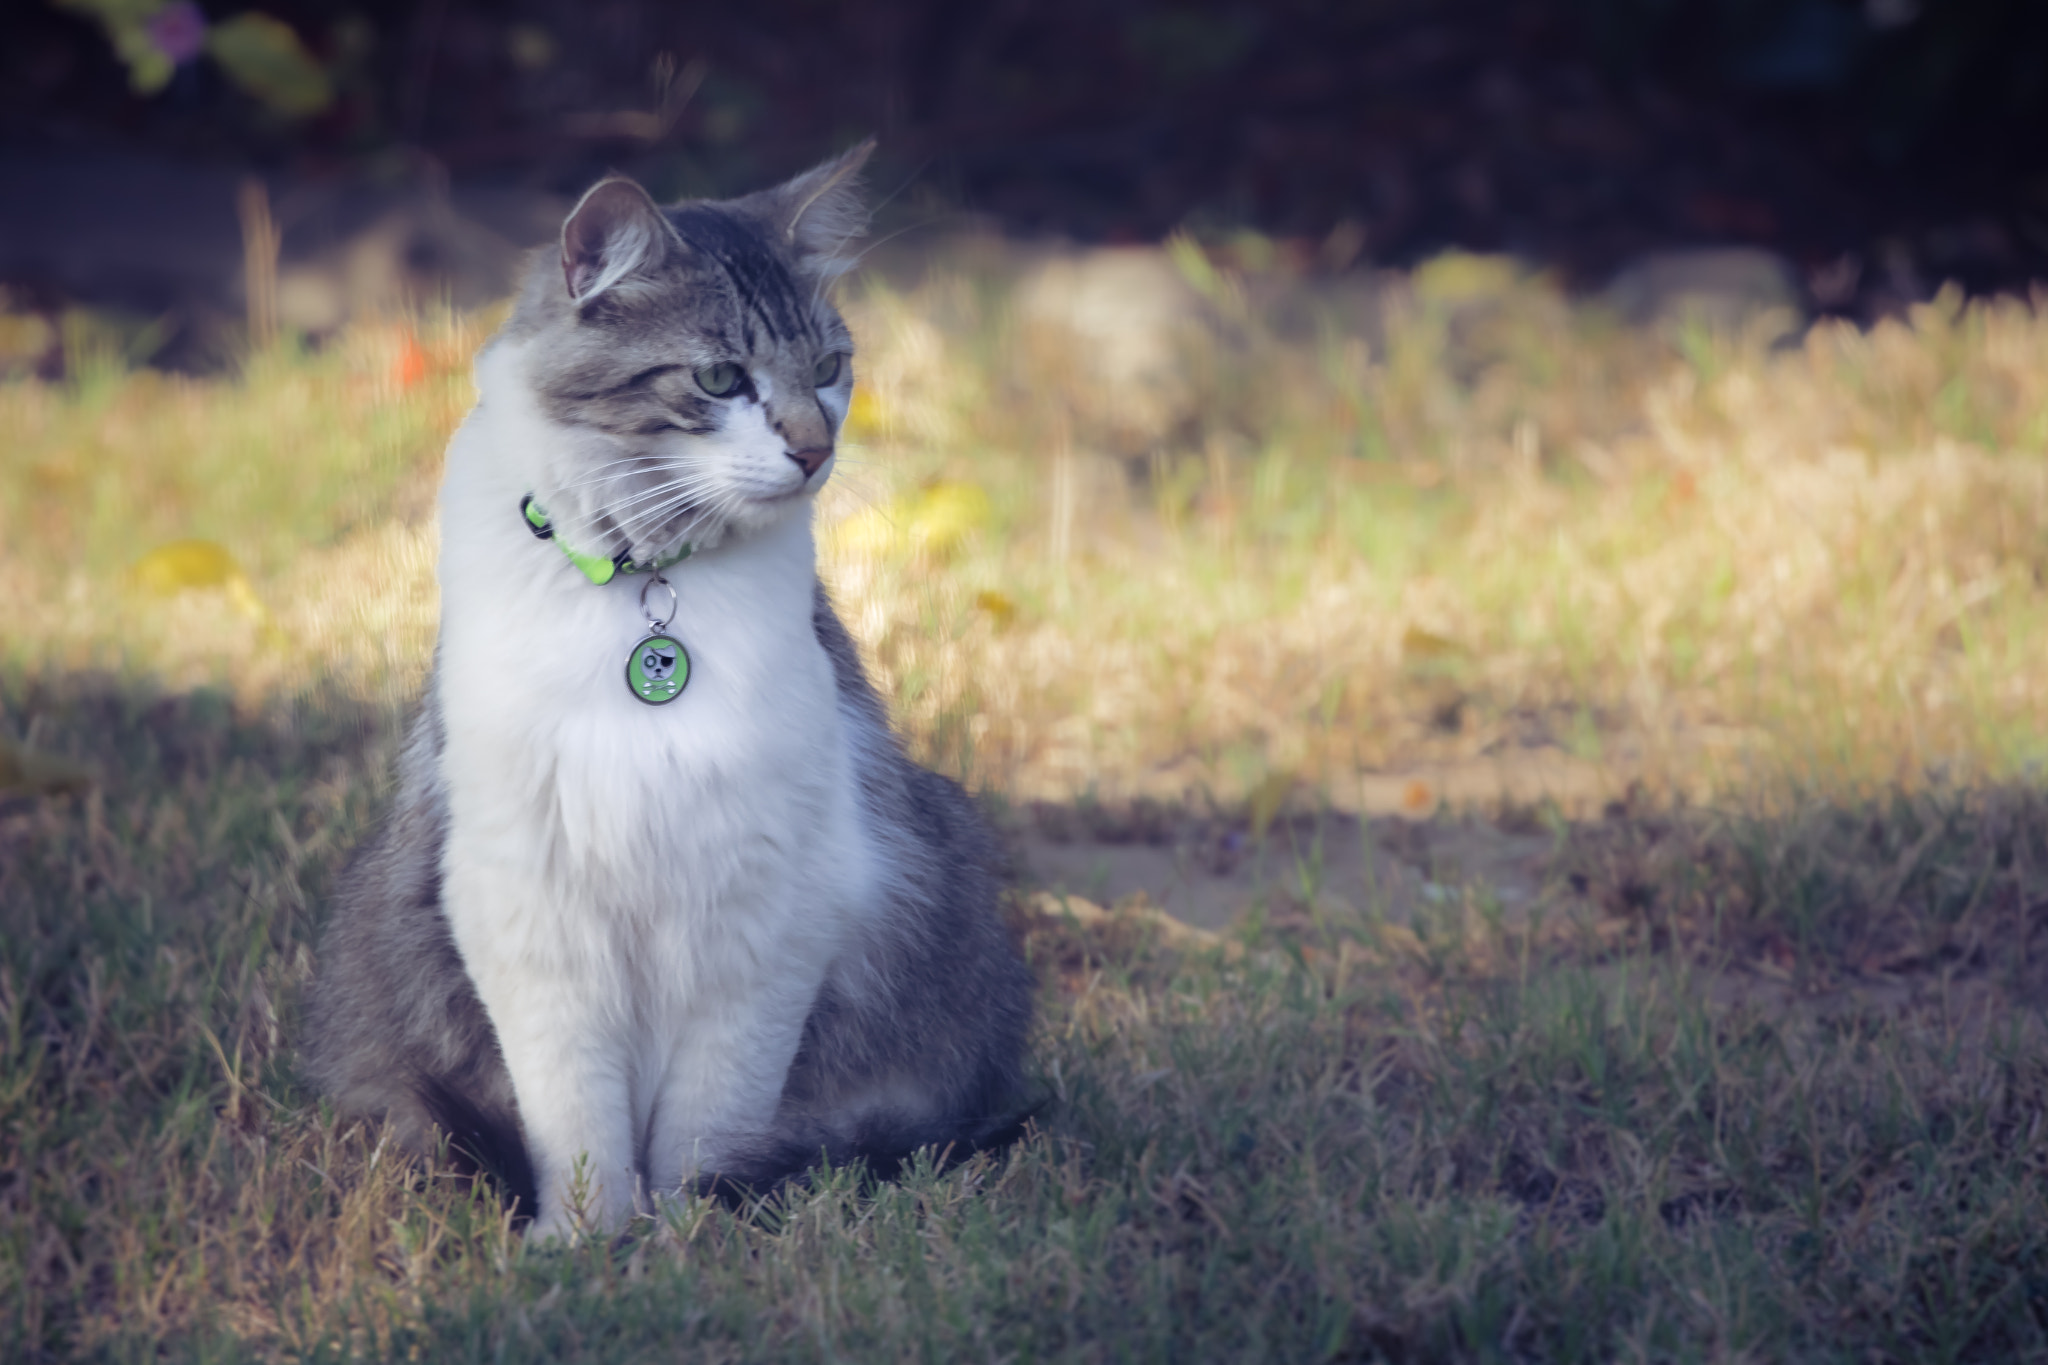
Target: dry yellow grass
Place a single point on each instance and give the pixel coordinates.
(1448, 518)
(1688, 555)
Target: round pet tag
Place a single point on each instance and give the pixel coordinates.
(657, 669)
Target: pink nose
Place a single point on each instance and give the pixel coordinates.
(809, 460)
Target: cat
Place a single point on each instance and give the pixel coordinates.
(710, 924)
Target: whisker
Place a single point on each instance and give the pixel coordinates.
(650, 468)
(636, 458)
(647, 521)
(693, 478)
(679, 498)
(694, 482)
(654, 520)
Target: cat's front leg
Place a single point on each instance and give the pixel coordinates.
(553, 1012)
(575, 1110)
(725, 1071)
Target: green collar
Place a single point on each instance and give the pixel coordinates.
(595, 568)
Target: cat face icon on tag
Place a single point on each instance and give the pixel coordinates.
(658, 669)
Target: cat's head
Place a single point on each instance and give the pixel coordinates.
(691, 358)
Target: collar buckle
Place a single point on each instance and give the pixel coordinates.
(536, 520)
(597, 570)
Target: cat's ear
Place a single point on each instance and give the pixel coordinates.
(615, 233)
(820, 213)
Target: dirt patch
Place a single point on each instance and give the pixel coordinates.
(1211, 869)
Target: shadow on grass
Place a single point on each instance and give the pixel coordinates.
(1558, 1135)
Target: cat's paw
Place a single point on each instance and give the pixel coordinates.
(555, 1224)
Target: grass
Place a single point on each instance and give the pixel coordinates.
(1759, 1074)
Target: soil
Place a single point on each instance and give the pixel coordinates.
(1211, 871)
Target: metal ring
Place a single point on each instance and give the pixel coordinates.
(673, 601)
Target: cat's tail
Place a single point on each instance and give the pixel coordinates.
(881, 1146)
(482, 1142)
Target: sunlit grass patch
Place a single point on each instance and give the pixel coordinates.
(1307, 530)
(1692, 553)
(269, 529)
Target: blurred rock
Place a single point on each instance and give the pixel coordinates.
(1112, 330)
(416, 254)
(1721, 287)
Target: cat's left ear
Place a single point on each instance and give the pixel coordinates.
(614, 234)
(820, 213)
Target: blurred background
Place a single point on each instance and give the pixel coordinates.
(1867, 149)
(1387, 408)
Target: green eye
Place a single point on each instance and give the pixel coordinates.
(826, 373)
(722, 380)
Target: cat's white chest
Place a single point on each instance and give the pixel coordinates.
(602, 792)
(646, 897)
(551, 749)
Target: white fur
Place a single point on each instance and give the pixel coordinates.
(647, 898)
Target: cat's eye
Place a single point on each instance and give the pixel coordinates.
(826, 372)
(722, 380)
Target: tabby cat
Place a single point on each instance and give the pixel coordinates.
(661, 901)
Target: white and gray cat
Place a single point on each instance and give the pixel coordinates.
(632, 936)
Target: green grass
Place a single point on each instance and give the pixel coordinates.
(1560, 1139)
(1760, 1075)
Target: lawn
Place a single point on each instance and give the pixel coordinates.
(1328, 589)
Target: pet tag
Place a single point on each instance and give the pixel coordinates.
(659, 667)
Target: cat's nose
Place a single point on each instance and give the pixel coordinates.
(809, 459)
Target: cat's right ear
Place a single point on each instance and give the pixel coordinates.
(615, 233)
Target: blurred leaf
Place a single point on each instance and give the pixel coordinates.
(870, 532)
(185, 565)
(934, 522)
(945, 515)
(1418, 644)
(38, 774)
(411, 364)
(265, 57)
(864, 415)
(1000, 607)
(149, 67)
(171, 569)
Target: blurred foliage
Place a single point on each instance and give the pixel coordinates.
(1907, 69)
(261, 54)
(1418, 122)
(265, 57)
